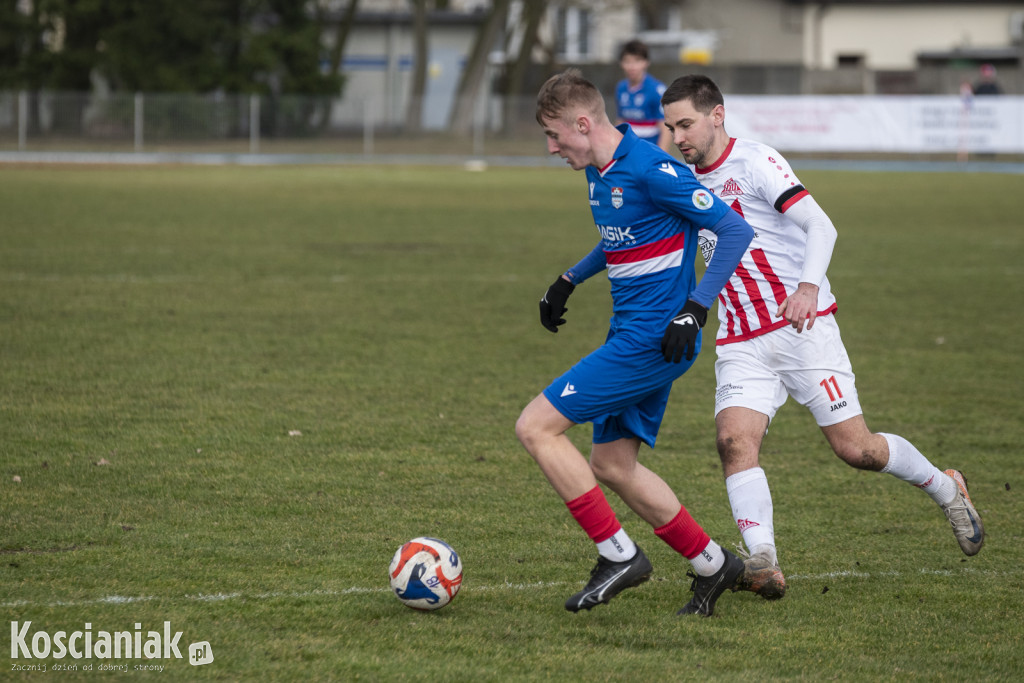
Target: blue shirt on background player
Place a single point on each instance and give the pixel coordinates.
(648, 209)
(638, 96)
(640, 107)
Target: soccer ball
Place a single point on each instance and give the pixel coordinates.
(425, 573)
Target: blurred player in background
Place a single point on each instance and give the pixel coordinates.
(648, 209)
(638, 96)
(987, 83)
(778, 336)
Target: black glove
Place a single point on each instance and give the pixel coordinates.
(552, 304)
(681, 336)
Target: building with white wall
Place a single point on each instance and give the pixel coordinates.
(893, 35)
(750, 46)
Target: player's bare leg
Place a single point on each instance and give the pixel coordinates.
(855, 444)
(740, 433)
(542, 431)
(621, 564)
(616, 465)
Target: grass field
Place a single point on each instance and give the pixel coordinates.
(227, 395)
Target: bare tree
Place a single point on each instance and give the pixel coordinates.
(515, 74)
(348, 19)
(533, 14)
(414, 113)
(476, 67)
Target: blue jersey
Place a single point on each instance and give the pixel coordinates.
(641, 107)
(648, 209)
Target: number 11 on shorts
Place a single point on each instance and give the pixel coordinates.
(833, 396)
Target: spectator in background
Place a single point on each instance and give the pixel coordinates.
(987, 84)
(638, 97)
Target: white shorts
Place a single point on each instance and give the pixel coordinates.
(811, 366)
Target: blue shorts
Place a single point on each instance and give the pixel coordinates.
(622, 387)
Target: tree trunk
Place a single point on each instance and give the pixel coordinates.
(414, 113)
(476, 68)
(341, 37)
(515, 77)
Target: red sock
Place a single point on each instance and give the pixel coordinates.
(595, 515)
(684, 535)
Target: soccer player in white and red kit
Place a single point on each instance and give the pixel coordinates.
(778, 336)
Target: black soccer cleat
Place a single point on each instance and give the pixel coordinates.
(706, 589)
(608, 579)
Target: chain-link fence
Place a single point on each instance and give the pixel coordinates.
(492, 127)
(50, 121)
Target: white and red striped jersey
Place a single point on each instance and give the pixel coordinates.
(760, 185)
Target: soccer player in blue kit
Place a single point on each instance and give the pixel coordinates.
(638, 96)
(648, 209)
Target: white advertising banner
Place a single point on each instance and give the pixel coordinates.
(915, 124)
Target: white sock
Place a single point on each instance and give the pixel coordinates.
(907, 464)
(751, 502)
(618, 547)
(709, 560)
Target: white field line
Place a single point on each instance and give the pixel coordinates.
(507, 586)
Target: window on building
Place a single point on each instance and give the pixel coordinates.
(573, 33)
(657, 17)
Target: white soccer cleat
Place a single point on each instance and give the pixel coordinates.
(964, 519)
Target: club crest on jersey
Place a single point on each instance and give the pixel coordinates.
(617, 197)
(731, 188)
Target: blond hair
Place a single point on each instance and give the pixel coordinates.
(565, 93)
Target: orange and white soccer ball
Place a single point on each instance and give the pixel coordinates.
(426, 573)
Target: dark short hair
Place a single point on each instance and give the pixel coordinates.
(700, 90)
(563, 92)
(635, 47)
